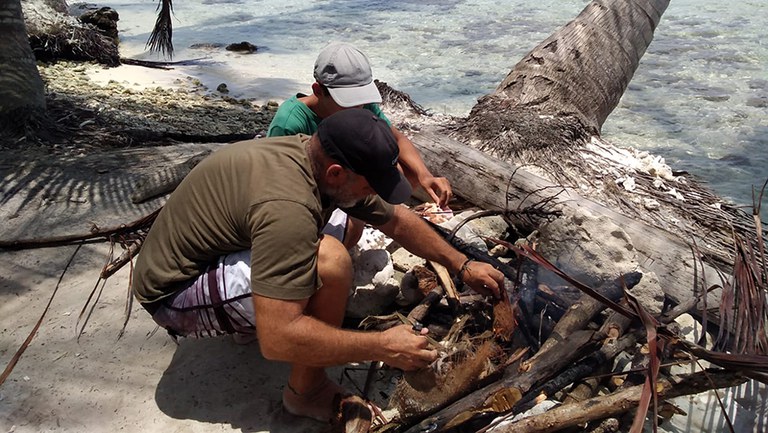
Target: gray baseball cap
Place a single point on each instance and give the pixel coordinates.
(346, 72)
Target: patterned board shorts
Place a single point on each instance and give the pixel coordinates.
(215, 303)
(219, 301)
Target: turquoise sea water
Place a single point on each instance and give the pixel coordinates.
(699, 98)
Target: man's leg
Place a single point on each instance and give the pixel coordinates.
(309, 391)
(344, 228)
(354, 231)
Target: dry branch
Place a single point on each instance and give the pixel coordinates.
(619, 402)
(96, 235)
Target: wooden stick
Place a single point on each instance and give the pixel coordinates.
(445, 279)
(619, 402)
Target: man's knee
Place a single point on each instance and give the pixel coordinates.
(334, 265)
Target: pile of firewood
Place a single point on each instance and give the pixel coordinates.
(538, 349)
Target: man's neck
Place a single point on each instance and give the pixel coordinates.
(316, 105)
(317, 168)
(314, 161)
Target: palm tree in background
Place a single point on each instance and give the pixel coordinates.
(22, 93)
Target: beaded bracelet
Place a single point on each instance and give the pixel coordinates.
(463, 268)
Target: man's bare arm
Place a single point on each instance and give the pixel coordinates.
(417, 172)
(413, 233)
(286, 333)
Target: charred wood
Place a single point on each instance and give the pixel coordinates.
(582, 312)
(583, 368)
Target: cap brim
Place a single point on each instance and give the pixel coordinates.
(393, 187)
(353, 96)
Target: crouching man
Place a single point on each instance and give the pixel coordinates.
(238, 249)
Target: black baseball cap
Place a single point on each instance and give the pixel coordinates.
(362, 142)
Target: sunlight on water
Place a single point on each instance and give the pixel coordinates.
(699, 97)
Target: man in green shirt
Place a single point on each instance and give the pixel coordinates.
(343, 80)
(238, 249)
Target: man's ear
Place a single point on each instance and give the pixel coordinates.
(335, 175)
(317, 89)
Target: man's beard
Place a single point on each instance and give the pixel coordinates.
(341, 196)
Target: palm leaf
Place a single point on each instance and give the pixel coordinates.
(744, 304)
(161, 38)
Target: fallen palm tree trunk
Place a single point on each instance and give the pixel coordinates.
(164, 181)
(500, 185)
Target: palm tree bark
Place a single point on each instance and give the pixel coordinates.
(561, 92)
(585, 67)
(22, 93)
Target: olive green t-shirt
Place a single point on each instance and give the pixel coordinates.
(258, 195)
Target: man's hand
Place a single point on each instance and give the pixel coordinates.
(483, 278)
(439, 189)
(406, 349)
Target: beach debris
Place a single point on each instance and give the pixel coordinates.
(242, 47)
(354, 414)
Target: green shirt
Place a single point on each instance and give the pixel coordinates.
(258, 195)
(294, 117)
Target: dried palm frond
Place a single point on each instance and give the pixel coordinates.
(744, 304)
(16, 356)
(161, 38)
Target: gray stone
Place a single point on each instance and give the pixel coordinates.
(404, 260)
(409, 290)
(758, 102)
(242, 47)
(375, 287)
